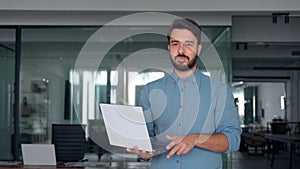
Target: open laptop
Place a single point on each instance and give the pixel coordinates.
(38, 154)
(126, 127)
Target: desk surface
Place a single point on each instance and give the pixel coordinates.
(294, 138)
(290, 139)
(88, 165)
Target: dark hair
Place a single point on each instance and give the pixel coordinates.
(188, 24)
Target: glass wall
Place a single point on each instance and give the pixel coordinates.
(66, 72)
(48, 56)
(7, 75)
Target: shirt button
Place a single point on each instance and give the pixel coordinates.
(181, 90)
(179, 124)
(180, 106)
(177, 161)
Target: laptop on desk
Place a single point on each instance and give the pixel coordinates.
(126, 127)
(38, 154)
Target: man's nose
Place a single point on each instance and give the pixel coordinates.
(181, 49)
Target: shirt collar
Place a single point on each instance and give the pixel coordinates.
(192, 78)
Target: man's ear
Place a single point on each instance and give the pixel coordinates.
(169, 47)
(199, 49)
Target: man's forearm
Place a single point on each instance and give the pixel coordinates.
(212, 142)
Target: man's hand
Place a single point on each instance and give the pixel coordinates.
(146, 155)
(181, 144)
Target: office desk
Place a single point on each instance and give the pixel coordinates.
(88, 165)
(290, 139)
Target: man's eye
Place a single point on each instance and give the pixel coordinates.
(189, 44)
(174, 44)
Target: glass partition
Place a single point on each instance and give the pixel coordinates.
(48, 56)
(62, 82)
(7, 75)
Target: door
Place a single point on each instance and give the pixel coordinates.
(250, 97)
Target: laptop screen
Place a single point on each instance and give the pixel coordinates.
(126, 126)
(38, 154)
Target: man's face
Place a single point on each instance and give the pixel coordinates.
(183, 48)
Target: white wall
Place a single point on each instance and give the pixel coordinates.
(269, 99)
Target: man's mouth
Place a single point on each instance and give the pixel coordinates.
(182, 58)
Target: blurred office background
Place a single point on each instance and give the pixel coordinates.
(41, 83)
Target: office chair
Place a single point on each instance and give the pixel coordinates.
(69, 141)
(255, 140)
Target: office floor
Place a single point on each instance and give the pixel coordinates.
(242, 160)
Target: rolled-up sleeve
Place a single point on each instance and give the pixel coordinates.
(229, 123)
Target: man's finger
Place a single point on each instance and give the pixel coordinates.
(181, 150)
(135, 149)
(174, 140)
(170, 145)
(173, 151)
(170, 137)
(128, 149)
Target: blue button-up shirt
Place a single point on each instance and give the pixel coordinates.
(193, 105)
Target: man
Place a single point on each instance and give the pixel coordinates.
(195, 114)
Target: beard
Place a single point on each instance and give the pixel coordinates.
(181, 66)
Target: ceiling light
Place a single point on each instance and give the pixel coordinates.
(245, 46)
(237, 46)
(276, 15)
(286, 19)
(274, 19)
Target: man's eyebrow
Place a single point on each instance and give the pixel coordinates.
(189, 41)
(174, 41)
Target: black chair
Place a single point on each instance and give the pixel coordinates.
(69, 141)
(255, 140)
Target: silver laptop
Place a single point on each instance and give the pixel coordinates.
(126, 127)
(38, 154)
